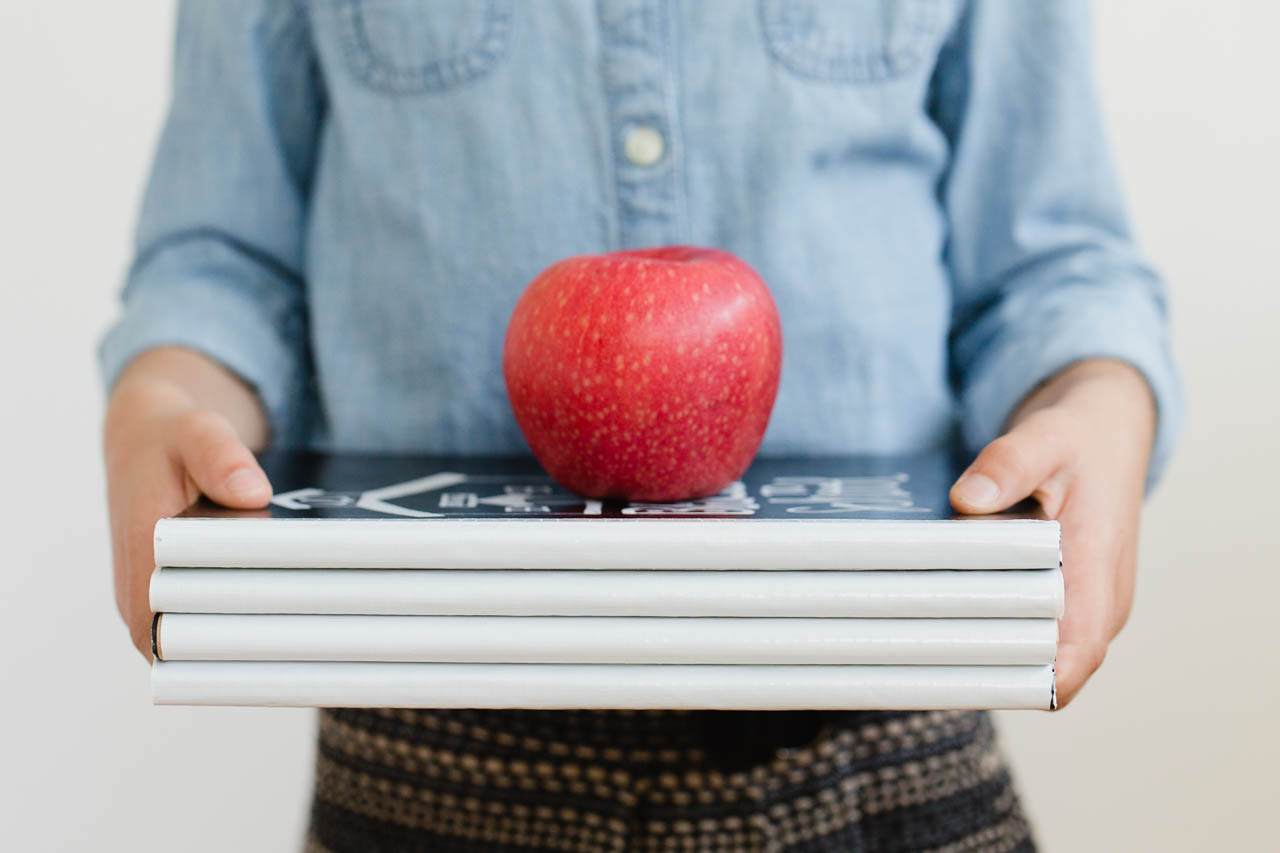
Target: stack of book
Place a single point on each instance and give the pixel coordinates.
(436, 582)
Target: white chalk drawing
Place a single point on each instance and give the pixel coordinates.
(536, 495)
(734, 500)
(829, 495)
(468, 494)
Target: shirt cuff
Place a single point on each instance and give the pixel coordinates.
(248, 330)
(1072, 323)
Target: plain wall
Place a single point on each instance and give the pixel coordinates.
(1173, 745)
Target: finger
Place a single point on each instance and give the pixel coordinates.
(219, 463)
(1082, 640)
(1091, 566)
(152, 486)
(1029, 459)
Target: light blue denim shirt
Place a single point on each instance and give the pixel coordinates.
(348, 197)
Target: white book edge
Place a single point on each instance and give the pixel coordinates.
(650, 543)
(1036, 593)
(552, 686)
(604, 639)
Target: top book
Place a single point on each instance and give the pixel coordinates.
(848, 512)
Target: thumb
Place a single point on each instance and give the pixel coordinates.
(219, 463)
(1019, 463)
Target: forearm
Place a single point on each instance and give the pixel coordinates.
(176, 379)
(1047, 281)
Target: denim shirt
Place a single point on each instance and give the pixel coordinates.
(349, 196)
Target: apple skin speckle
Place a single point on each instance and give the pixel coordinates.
(636, 399)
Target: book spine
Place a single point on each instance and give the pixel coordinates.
(431, 685)
(713, 544)
(605, 639)
(1036, 593)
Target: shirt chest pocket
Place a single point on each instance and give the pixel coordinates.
(853, 41)
(409, 47)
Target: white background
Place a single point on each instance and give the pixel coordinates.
(1173, 746)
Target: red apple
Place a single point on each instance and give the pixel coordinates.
(646, 375)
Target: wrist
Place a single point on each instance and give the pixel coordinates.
(1104, 387)
(166, 382)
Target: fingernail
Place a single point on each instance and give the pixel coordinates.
(245, 483)
(977, 490)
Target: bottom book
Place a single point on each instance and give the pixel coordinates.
(618, 686)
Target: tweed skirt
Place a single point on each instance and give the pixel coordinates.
(477, 780)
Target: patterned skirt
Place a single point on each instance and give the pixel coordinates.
(418, 780)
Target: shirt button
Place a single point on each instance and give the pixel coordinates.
(644, 146)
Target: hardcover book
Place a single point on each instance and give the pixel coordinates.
(604, 639)
(1035, 593)
(416, 581)
(637, 686)
(351, 511)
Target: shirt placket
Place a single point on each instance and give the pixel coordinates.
(638, 52)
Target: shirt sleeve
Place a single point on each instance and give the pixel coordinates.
(1044, 267)
(219, 242)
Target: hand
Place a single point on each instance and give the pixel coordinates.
(177, 425)
(1080, 445)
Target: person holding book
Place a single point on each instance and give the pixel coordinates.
(348, 197)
